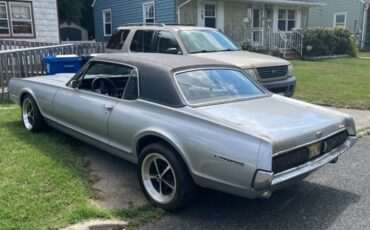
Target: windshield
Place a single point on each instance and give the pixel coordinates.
(201, 41)
(216, 85)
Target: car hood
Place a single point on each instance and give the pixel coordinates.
(286, 123)
(244, 59)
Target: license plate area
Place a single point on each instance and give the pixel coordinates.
(314, 150)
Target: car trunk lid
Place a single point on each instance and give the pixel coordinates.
(286, 123)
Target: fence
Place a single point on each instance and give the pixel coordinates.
(22, 63)
(11, 45)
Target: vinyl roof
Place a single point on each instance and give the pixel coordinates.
(167, 61)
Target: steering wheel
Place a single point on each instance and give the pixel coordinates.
(103, 89)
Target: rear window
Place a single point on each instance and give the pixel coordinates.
(142, 41)
(118, 40)
(216, 85)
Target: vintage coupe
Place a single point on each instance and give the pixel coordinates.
(187, 121)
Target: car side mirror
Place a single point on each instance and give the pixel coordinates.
(75, 84)
(172, 50)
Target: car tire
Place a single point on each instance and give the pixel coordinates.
(165, 178)
(31, 116)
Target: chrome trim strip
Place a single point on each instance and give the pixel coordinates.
(306, 144)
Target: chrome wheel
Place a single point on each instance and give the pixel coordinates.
(28, 114)
(158, 178)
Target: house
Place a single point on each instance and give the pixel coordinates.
(263, 22)
(29, 20)
(71, 31)
(350, 14)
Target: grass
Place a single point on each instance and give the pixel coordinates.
(343, 82)
(44, 180)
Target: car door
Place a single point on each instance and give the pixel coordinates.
(126, 117)
(87, 110)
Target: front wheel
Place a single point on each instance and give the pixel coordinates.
(164, 177)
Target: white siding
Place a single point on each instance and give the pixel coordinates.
(45, 14)
(46, 20)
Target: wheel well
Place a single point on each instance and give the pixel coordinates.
(150, 139)
(147, 140)
(22, 97)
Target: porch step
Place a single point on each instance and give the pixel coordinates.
(291, 55)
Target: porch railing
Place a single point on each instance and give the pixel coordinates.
(22, 63)
(296, 41)
(11, 45)
(287, 40)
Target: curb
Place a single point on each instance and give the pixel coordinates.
(98, 225)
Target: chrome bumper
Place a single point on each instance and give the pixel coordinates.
(267, 181)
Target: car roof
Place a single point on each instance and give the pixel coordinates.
(165, 61)
(176, 27)
(156, 73)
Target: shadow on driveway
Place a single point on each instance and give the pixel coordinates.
(304, 206)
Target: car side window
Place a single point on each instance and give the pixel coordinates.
(106, 78)
(142, 41)
(132, 87)
(167, 43)
(118, 40)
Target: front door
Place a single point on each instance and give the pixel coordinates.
(87, 108)
(257, 27)
(210, 15)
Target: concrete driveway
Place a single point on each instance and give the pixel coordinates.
(361, 117)
(335, 197)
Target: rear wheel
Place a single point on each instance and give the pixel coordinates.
(164, 177)
(31, 116)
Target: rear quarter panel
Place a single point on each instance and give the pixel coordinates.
(42, 93)
(201, 143)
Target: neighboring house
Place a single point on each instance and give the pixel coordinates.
(70, 31)
(30, 20)
(260, 21)
(350, 14)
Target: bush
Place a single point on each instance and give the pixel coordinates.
(247, 45)
(328, 42)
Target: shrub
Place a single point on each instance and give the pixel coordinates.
(327, 42)
(247, 45)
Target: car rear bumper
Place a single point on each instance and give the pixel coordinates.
(267, 182)
(285, 87)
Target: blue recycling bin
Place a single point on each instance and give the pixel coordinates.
(61, 64)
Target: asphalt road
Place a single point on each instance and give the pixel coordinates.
(335, 197)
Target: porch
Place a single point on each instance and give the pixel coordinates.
(268, 25)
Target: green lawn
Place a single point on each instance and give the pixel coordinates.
(341, 82)
(44, 180)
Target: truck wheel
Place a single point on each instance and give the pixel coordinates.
(164, 177)
(31, 116)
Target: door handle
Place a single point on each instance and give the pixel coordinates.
(108, 107)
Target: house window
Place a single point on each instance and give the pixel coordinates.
(210, 15)
(16, 19)
(4, 22)
(107, 22)
(340, 20)
(149, 12)
(286, 19)
(21, 18)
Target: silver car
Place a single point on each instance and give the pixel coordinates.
(187, 122)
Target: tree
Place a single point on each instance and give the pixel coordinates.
(79, 12)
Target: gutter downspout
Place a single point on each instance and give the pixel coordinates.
(364, 26)
(178, 11)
